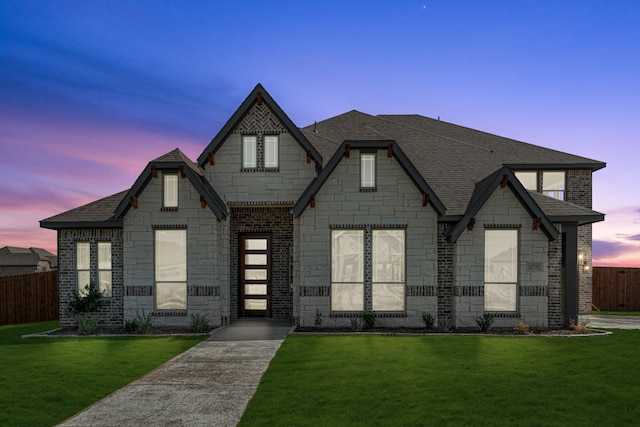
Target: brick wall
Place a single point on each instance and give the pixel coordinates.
(111, 313)
(278, 222)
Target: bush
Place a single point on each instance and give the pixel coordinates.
(131, 326)
(540, 328)
(445, 325)
(356, 324)
(484, 322)
(429, 320)
(87, 323)
(579, 327)
(368, 320)
(199, 323)
(318, 320)
(87, 301)
(521, 328)
(144, 323)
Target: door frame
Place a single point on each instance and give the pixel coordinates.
(242, 295)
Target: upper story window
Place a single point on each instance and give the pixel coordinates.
(368, 171)
(260, 152)
(553, 184)
(528, 179)
(249, 151)
(170, 199)
(500, 270)
(271, 151)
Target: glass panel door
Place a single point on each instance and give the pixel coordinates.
(255, 275)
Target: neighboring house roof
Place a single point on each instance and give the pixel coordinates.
(483, 191)
(11, 256)
(394, 150)
(260, 94)
(451, 158)
(175, 160)
(98, 214)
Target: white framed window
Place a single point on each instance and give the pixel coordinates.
(171, 269)
(367, 170)
(170, 181)
(388, 278)
(104, 269)
(271, 151)
(553, 184)
(249, 151)
(528, 179)
(383, 263)
(500, 270)
(83, 266)
(347, 270)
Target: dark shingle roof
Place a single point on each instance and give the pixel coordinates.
(11, 256)
(96, 214)
(451, 158)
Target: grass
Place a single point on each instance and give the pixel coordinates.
(616, 313)
(370, 380)
(43, 381)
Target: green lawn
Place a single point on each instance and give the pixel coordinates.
(370, 380)
(43, 381)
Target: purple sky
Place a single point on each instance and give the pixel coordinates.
(90, 91)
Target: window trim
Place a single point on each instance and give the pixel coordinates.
(80, 288)
(368, 186)
(155, 270)
(515, 284)
(560, 193)
(277, 147)
(105, 270)
(254, 139)
(367, 283)
(165, 189)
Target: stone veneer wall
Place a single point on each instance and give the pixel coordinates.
(207, 256)
(111, 311)
(502, 210)
(396, 203)
(277, 221)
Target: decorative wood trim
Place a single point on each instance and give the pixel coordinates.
(212, 158)
(308, 156)
(203, 202)
(536, 223)
(259, 98)
(181, 169)
(154, 171)
(390, 150)
(134, 202)
(505, 181)
(347, 149)
(312, 201)
(472, 222)
(425, 200)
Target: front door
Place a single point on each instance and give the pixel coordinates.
(255, 275)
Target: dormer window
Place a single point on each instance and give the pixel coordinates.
(368, 171)
(249, 152)
(170, 181)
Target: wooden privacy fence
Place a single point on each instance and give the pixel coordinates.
(29, 297)
(616, 289)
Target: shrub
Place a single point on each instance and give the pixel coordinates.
(318, 320)
(445, 325)
(144, 323)
(521, 328)
(540, 328)
(368, 320)
(87, 323)
(429, 320)
(356, 324)
(131, 326)
(579, 327)
(199, 323)
(87, 301)
(484, 322)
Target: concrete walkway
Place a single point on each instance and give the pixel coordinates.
(612, 322)
(208, 385)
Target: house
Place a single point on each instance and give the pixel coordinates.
(398, 215)
(15, 260)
